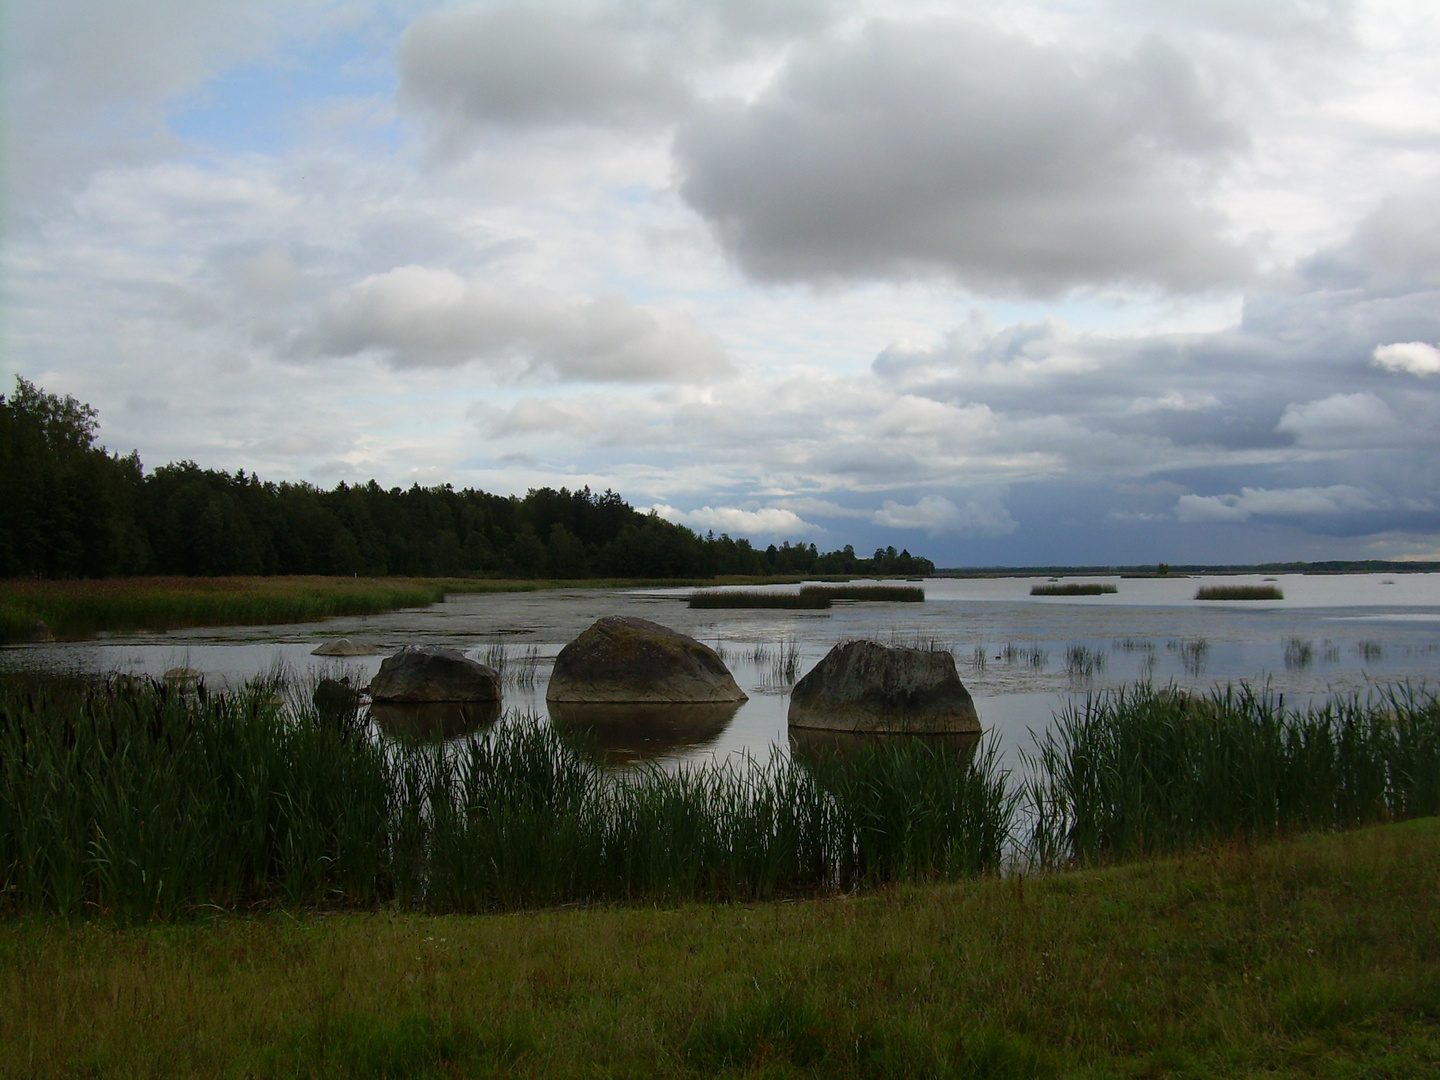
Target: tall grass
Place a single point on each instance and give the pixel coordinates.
(1076, 588)
(78, 609)
(131, 799)
(1238, 592)
(1137, 771)
(137, 800)
(753, 598)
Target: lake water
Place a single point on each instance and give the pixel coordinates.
(1022, 657)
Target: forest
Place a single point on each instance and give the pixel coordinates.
(69, 508)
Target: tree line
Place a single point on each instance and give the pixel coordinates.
(69, 508)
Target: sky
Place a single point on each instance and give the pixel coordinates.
(1069, 282)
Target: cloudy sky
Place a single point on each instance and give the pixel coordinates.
(1087, 281)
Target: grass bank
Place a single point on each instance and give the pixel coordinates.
(79, 609)
(1318, 957)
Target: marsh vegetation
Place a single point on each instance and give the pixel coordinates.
(1239, 592)
(140, 800)
(1073, 588)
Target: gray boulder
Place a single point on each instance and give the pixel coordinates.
(622, 658)
(433, 673)
(862, 686)
(344, 647)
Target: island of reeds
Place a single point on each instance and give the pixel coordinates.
(1238, 592)
(810, 597)
(1073, 588)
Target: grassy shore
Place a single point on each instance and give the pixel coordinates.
(81, 608)
(1316, 957)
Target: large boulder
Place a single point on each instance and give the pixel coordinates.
(863, 686)
(622, 658)
(433, 673)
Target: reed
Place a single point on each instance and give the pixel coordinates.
(904, 594)
(1238, 592)
(1137, 771)
(752, 598)
(79, 609)
(133, 800)
(1073, 588)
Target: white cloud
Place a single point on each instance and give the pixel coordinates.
(1414, 357)
(1339, 420)
(768, 521)
(1283, 502)
(415, 316)
(985, 516)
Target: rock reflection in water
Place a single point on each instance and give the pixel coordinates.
(819, 746)
(434, 721)
(625, 733)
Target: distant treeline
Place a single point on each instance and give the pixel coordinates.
(68, 508)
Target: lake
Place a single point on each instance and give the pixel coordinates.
(1022, 657)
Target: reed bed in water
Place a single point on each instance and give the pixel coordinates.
(905, 594)
(1238, 592)
(1139, 771)
(1074, 588)
(754, 598)
(809, 596)
(134, 800)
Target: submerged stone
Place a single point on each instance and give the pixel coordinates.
(344, 647)
(433, 673)
(863, 686)
(625, 659)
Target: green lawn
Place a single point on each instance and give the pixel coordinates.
(1318, 957)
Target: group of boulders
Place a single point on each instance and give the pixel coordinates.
(860, 686)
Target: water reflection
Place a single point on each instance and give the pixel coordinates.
(622, 734)
(815, 747)
(434, 721)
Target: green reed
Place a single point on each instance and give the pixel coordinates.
(1238, 592)
(1137, 771)
(1073, 588)
(753, 598)
(135, 800)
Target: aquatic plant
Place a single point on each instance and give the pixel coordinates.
(132, 799)
(1299, 653)
(906, 594)
(753, 598)
(1075, 588)
(1083, 662)
(1134, 771)
(1238, 592)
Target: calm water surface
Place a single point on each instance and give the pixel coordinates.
(1022, 657)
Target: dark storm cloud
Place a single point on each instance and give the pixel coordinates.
(1319, 419)
(948, 146)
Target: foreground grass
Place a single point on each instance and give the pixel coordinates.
(82, 608)
(1317, 957)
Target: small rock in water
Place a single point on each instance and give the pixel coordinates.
(337, 701)
(344, 647)
(182, 675)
